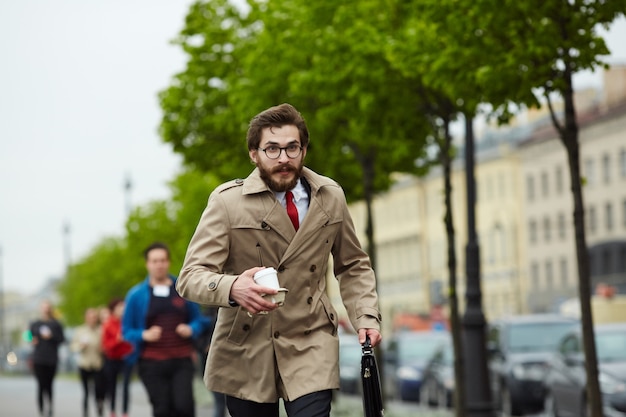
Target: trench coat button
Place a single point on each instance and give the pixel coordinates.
(380, 317)
(332, 316)
(307, 332)
(281, 268)
(246, 327)
(263, 225)
(309, 300)
(238, 181)
(212, 285)
(313, 268)
(276, 335)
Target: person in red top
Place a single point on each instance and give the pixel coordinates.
(116, 350)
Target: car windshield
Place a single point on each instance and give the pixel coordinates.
(536, 337)
(418, 349)
(611, 346)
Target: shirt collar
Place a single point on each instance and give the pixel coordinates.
(298, 192)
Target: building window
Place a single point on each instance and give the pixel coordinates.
(534, 274)
(546, 229)
(607, 261)
(549, 277)
(530, 188)
(564, 277)
(561, 226)
(592, 220)
(608, 214)
(606, 168)
(559, 180)
(622, 163)
(589, 173)
(532, 231)
(544, 184)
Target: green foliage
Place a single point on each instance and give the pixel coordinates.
(326, 59)
(116, 264)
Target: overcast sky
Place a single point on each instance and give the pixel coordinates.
(78, 113)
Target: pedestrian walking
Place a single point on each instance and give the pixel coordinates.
(86, 343)
(285, 216)
(117, 352)
(161, 325)
(47, 336)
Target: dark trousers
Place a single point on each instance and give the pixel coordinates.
(45, 376)
(113, 368)
(219, 404)
(92, 381)
(169, 384)
(316, 404)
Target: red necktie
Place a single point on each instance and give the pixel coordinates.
(292, 211)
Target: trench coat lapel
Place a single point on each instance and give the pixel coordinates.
(277, 219)
(315, 218)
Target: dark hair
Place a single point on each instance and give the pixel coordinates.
(156, 245)
(277, 116)
(113, 303)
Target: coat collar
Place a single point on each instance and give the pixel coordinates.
(254, 184)
(276, 217)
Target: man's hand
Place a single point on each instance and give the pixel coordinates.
(375, 337)
(184, 330)
(152, 334)
(248, 294)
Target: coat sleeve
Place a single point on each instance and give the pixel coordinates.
(133, 320)
(196, 321)
(353, 269)
(57, 333)
(202, 278)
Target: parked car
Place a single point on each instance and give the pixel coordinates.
(566, 379)
(438, 377)
(519, 349)
(405, 357)
(349, 364)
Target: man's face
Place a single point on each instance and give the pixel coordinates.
(158, 263)
(279, 174)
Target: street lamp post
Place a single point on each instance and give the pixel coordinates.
(477, 389)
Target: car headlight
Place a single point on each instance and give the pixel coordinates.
(409, 373)
(610, 384)
(533, 372)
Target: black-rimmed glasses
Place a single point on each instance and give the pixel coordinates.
(273, 152)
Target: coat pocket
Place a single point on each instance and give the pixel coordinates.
(333, 318)
(241, 328)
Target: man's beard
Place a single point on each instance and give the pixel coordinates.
(266, 175)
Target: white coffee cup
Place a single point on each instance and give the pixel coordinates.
(267, 278)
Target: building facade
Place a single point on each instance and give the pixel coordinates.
(524, 217)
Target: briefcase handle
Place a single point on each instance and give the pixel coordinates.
(367, 346)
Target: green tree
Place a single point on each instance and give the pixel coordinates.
(117, 263)
(519, 53)
(328, 60)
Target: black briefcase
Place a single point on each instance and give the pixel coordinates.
(372, 397)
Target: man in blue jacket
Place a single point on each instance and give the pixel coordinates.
(161, 325)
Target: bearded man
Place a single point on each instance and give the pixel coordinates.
(285, 216)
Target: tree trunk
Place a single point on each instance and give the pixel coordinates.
(455, 323)
(569, 136)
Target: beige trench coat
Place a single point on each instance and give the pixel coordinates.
(293, 350)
